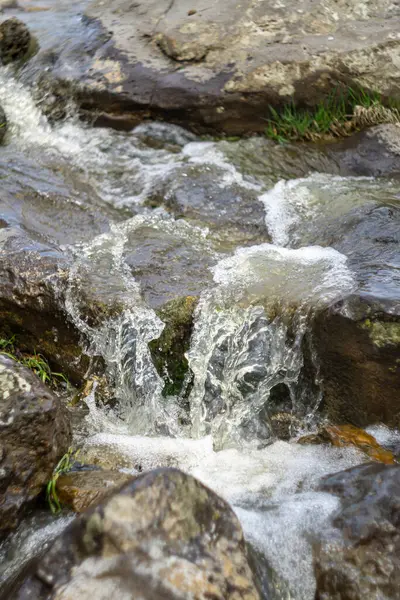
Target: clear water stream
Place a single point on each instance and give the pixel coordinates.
(93, 188)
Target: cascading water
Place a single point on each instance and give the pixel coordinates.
(249, 333)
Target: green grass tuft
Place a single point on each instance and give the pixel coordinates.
(35, 362)
(332, 117)
(63, 466)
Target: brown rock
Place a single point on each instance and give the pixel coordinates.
(164, 536)
(34, 434)
(80, 489)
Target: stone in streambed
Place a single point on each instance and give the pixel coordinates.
(79, 490)
(34, 434)
(15, 41)
(162, 536)
(347, 435)
(361, 560)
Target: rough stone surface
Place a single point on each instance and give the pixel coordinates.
(34, 434)
(80, 489)
(220, 65)
(15, 41)
(33, 279)
(363, 561)
(372, 153)
(163, 536)
(348, 435)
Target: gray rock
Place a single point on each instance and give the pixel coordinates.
(233, 212)
(163, 536)
(374, 153)
(34, 434)
(363, 560)
(218, 66)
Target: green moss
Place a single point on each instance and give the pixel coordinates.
(168, 352)
(382, 333)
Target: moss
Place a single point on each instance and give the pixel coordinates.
(168, 351)
(382, 333)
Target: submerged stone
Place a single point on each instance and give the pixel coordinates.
(347, 435)
(34, 434)
(164, 535)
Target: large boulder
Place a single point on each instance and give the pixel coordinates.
(218, 66)
(363, 559)
(34, 434)
(164, 535)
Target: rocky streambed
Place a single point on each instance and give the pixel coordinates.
(199, 337)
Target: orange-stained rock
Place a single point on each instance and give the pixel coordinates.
(348, 435)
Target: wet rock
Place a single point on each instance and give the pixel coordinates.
(35, 433)
(34, 278)
(15, 41)
(79, 490)
(162, 536)
(347, 435)
(373, 153)
(233, 212)
(3, 124)
(361, 375)
(219, 69)
(363, 560)
(170, 259)
(358, 342)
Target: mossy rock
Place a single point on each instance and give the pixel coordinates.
(168, 351)
(17, 44)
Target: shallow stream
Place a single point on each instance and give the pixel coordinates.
(155, 214)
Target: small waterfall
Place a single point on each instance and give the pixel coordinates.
(249, 335)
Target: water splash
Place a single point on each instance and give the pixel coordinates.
(248, 338)
(299, 207)
(101, 280)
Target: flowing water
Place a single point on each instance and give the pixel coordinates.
(91, 192)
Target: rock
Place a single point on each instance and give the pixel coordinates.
(363, 560)
(34, 279)
(220, 68)
(81, 489)
(170, 259)
(232, 211)
(3, 124)
(34, 434)
(15, 41)
(164, 535)
(373, 153)
(347, 435)
(358, 341)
